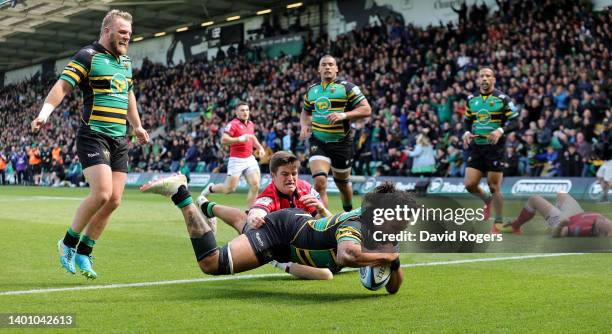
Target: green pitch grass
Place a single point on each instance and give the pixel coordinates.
(146, 241)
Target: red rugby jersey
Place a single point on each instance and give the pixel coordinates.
(272, 200)
(237, 128)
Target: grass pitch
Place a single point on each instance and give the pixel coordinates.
(146, 241)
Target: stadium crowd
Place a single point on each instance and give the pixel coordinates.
(551, 57)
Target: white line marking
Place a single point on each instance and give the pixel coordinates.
(31, 198)
(249, 276)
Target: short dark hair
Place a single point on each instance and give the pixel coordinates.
(241, 103)
(487, 68)
(283, 158)
(329, 56)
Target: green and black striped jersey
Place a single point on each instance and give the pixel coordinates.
(486, 113)
(105, 81)
(322, 99)
(315, 241)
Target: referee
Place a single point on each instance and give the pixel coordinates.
(489, 116)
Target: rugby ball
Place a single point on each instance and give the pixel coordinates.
(374, 278)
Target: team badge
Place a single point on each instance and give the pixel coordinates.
(322, 104)
(264, 201)
(119, 84)
(332, 89)
(491, 104)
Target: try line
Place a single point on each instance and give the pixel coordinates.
(250, 276)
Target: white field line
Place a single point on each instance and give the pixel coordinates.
(250, 276)
(5, 198)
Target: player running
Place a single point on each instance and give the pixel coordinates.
(289, 235)
(489, 116)
(329, 107)
(566, 218)
(239, 135)
(285, 191)
(104, 74)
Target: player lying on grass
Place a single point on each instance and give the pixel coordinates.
(286, 191)
(566, 218)
(289, 235)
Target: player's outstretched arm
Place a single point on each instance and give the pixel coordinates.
(350, 255)
(54, 98)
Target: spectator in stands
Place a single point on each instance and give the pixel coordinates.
(424, 162)
(555, 72)
(571, 162)
(3, 166)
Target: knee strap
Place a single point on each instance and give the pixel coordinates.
(204, 246)
(226, 265)
(341, 181)
(319, 174)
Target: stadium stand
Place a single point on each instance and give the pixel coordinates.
(552, 59)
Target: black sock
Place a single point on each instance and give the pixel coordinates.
(181, 195)
(71, 239)
(347, 207)
(84, 249)
(207, 209)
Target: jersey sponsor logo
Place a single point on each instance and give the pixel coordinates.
(258, 237)
(541, 187)
(227, 128)
(356, 90)
(322, 104)
(263, 201)
(119, 84)
(106, 154)
(483, 116)
(91, 155)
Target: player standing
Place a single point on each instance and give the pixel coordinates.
(104, 74)
(488, 117)
(239, 135)
(329, 107)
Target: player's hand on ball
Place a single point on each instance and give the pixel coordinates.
(305, 132)
(256, 222)
(142, 135)
(37, 123)
(336, 117)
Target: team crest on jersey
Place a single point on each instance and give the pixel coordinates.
(492, 104)
(263, 201)
(322, 104)
(119, 83)
(483, 116)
